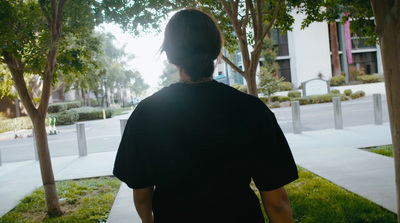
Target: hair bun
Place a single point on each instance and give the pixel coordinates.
(199, 66)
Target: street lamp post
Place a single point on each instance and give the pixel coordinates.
(123, 95)
(105, 88)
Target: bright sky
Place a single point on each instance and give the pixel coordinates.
(148, 60)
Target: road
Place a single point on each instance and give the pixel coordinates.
(105, 136)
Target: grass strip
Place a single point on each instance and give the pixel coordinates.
(84, 200)
(386, 150)
(314, 199)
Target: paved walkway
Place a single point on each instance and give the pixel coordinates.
(332, 154)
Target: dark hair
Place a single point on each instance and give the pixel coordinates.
(192, 41)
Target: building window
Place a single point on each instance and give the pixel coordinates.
(364, 62)
(281, 42)
(284, 69)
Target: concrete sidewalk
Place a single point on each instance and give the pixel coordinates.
(18, 179)
(332, 154)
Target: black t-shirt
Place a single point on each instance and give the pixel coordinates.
(200, 145)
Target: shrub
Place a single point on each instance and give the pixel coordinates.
(264, 99)
(67, 117)
(243, 88)
(285, 86)
(73, 104)
(336, 91)
(279, 98)
(94, 103)
(357, 94)
(348, 92)
(269, 83)
(301, 100)
(373, 78)
(337, 81)
(316, 99)
(90, 113)
(294, 94)
(7, 125)
(57, 107)
(274, 105)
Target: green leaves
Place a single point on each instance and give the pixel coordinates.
(360, 13)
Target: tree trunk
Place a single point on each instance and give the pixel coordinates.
(337, 71)
(37, 116)
(84, 96)
(387, 13)
(62, 93)
(251, 85)
(50, 191)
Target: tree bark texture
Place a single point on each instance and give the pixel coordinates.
(337, 71)
(387, 19)
(38, 121)
(38, 115)
(250, 61)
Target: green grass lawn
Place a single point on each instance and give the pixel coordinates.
(118, 111)
(85, 200)
(382, 150)
(315, 200)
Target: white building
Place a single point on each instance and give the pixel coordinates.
(303, 54)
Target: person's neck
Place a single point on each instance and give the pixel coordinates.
(185, 79)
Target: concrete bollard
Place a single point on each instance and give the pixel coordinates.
(337, 113)
(34, 145)
(296, 117)
(377, 100)
(80, 128)
(123, 124)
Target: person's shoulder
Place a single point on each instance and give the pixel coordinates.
(244, 97)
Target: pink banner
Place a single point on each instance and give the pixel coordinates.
(347, 35)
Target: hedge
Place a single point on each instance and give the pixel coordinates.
(357, 94)
(66, 118)
(57, 107)
(90, 113)
(301, 100)
(285, 86)
(7, 125)
(279, 98)
(274, 105)
(336, 91)
(337, 81)
(73, 104)
(264, 99)
(372, 78)
(294, 94)
(316, 99)
(348, 92)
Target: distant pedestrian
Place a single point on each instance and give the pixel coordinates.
(190, 150)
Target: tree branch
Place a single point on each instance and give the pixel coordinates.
(231, 64)
(249, 3)
(20, 68)
(260, 17)
(45, 12)
(396, 9)
(245, 21)
(379, 9)
(20, 84)
(227, 9)
(259, 42)
(60, 10)
(234, 8)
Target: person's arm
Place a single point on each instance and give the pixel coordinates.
(277, 206)
(143, 203)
